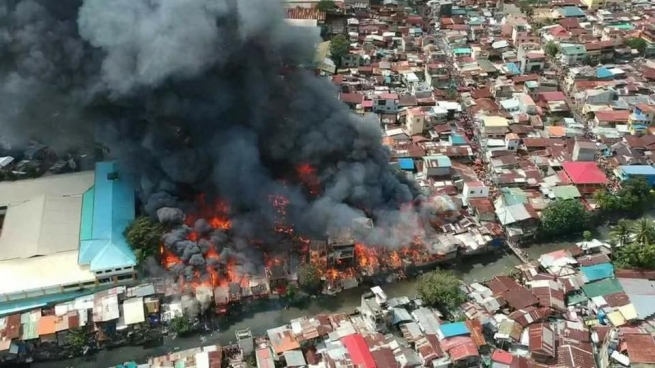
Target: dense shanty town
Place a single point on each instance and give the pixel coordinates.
(497, 110)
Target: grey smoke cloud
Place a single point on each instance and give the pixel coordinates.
(189, 95)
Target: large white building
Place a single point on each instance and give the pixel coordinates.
(63, 233)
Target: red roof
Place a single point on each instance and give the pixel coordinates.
(584, 173)
(352, 98)
(552, 96)
(358, 351)
(501, 356)
(618, 115)
(463, 351)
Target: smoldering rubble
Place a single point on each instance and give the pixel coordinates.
(200, 96)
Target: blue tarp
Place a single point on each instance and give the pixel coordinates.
(457, 139)
(603, 73)
(454, 329)
(406, 163)
(598, 272)
(513, 68)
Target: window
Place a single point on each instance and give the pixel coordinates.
(125, 277)
(472, 192)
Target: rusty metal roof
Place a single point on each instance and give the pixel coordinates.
(501, 284)
(520, 298)
(542, 340)
(571, 356)
(640, 348)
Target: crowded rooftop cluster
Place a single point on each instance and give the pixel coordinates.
(571, 308)
(502, 109)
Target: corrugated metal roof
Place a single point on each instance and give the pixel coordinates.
(600, 288)
(454, 329)
(30, 331)
(113, 210)
(598, 272)
(358, 351)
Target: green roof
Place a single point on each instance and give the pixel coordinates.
(571, 49)
(576, 297)
(601, 288)
(86, 224)
(566, 192)
(513, 196)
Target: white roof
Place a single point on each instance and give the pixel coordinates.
(303, 22)
(106, 309)
(133, 311)
(43, 215)
(42, 272)
(42, 225)
(62, 185)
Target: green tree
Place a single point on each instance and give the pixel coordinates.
(180, 325)
(339, 47)
(325, 5)
(643, 231)
(76, 340)
(620, 233)
(451, 94)
(586, 235)
(588, 61)
(636, 256)
(637, 43)
(551, 48)
(309, 278)
(441, 288)
(144, 235)
(563, 218)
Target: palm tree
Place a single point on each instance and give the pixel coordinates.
(603, 199)
(643, 231)
(620, 233)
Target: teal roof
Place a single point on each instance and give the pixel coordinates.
(602, 288)
(598, 272)
(462, 50)
(107, 209)
(572, 49)
(86, 225)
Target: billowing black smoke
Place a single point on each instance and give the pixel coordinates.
(199, 96)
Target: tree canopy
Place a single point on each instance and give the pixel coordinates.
(325, 5)
(634, 241)
(551, 48)
(180, 325)
(144, 235)
(635, 256)
(631, 200)
(309, 278)
(339, 47)
(441, 288)
(563, 218)
(636, 43)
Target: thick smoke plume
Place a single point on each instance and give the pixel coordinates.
(201, 96)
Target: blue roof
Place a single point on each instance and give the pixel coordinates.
(401, 315)
(638, 170)
(462, 50)
(513, 68)
(16, 306)
(107, 209)
(406, 163)
(457, 139)
(603, 73)
(454, 329)
(571, 11)
(598, 272)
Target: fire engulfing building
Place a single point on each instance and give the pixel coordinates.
(62, 236)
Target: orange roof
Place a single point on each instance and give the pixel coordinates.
(557, 131)
(46, 325)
